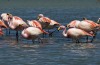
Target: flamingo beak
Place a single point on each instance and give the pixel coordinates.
(59, 28)
(67, 26)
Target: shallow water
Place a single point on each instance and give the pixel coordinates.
(56, 50)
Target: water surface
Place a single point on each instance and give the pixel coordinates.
(56, 50)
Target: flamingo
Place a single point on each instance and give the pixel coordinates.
(45, 21)
(53, 24)
(98, 21)
(89, 26)
(4, 17)
(74, 33)
(73, 23)
(86, 25)
(34, 23)
(15, 23)
(2, 25)
(32, 33)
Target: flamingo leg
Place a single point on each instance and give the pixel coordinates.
(33, 41)
(51, 33)
(43, 35)
(6, 31)
(40, 40)
(94, 36)
(87, 39)
(17, 36)
(9, 31)
(77, 41)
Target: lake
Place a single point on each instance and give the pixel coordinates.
(56, 50)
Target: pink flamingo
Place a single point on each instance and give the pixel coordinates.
(86, 25)
(53, 24)
(74, 33)
(34, 23)
(15, 23)
(45, 21)
(33, 33)
(73, 23)
(4, 17)
(2, 25)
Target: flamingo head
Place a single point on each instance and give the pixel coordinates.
(10, 16)
(84, 18)
(40, 15)
(98, 21)
(61, 27)
(25, 33)
(4, 17)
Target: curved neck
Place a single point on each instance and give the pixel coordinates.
(64, 32)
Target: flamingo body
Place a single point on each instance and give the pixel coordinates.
(31, 32)
(53, 24)
(87, 25)
(17, 23)
(73, 23)
(34, 23)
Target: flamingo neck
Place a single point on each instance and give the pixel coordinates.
(64, 32)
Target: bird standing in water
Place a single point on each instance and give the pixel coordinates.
(74, 33)
(32, 33)
(14, 22)
(86, 25)
(48, 23)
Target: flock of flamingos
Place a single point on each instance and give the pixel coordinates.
(32, 29)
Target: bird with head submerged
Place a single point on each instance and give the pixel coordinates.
(32, 33)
